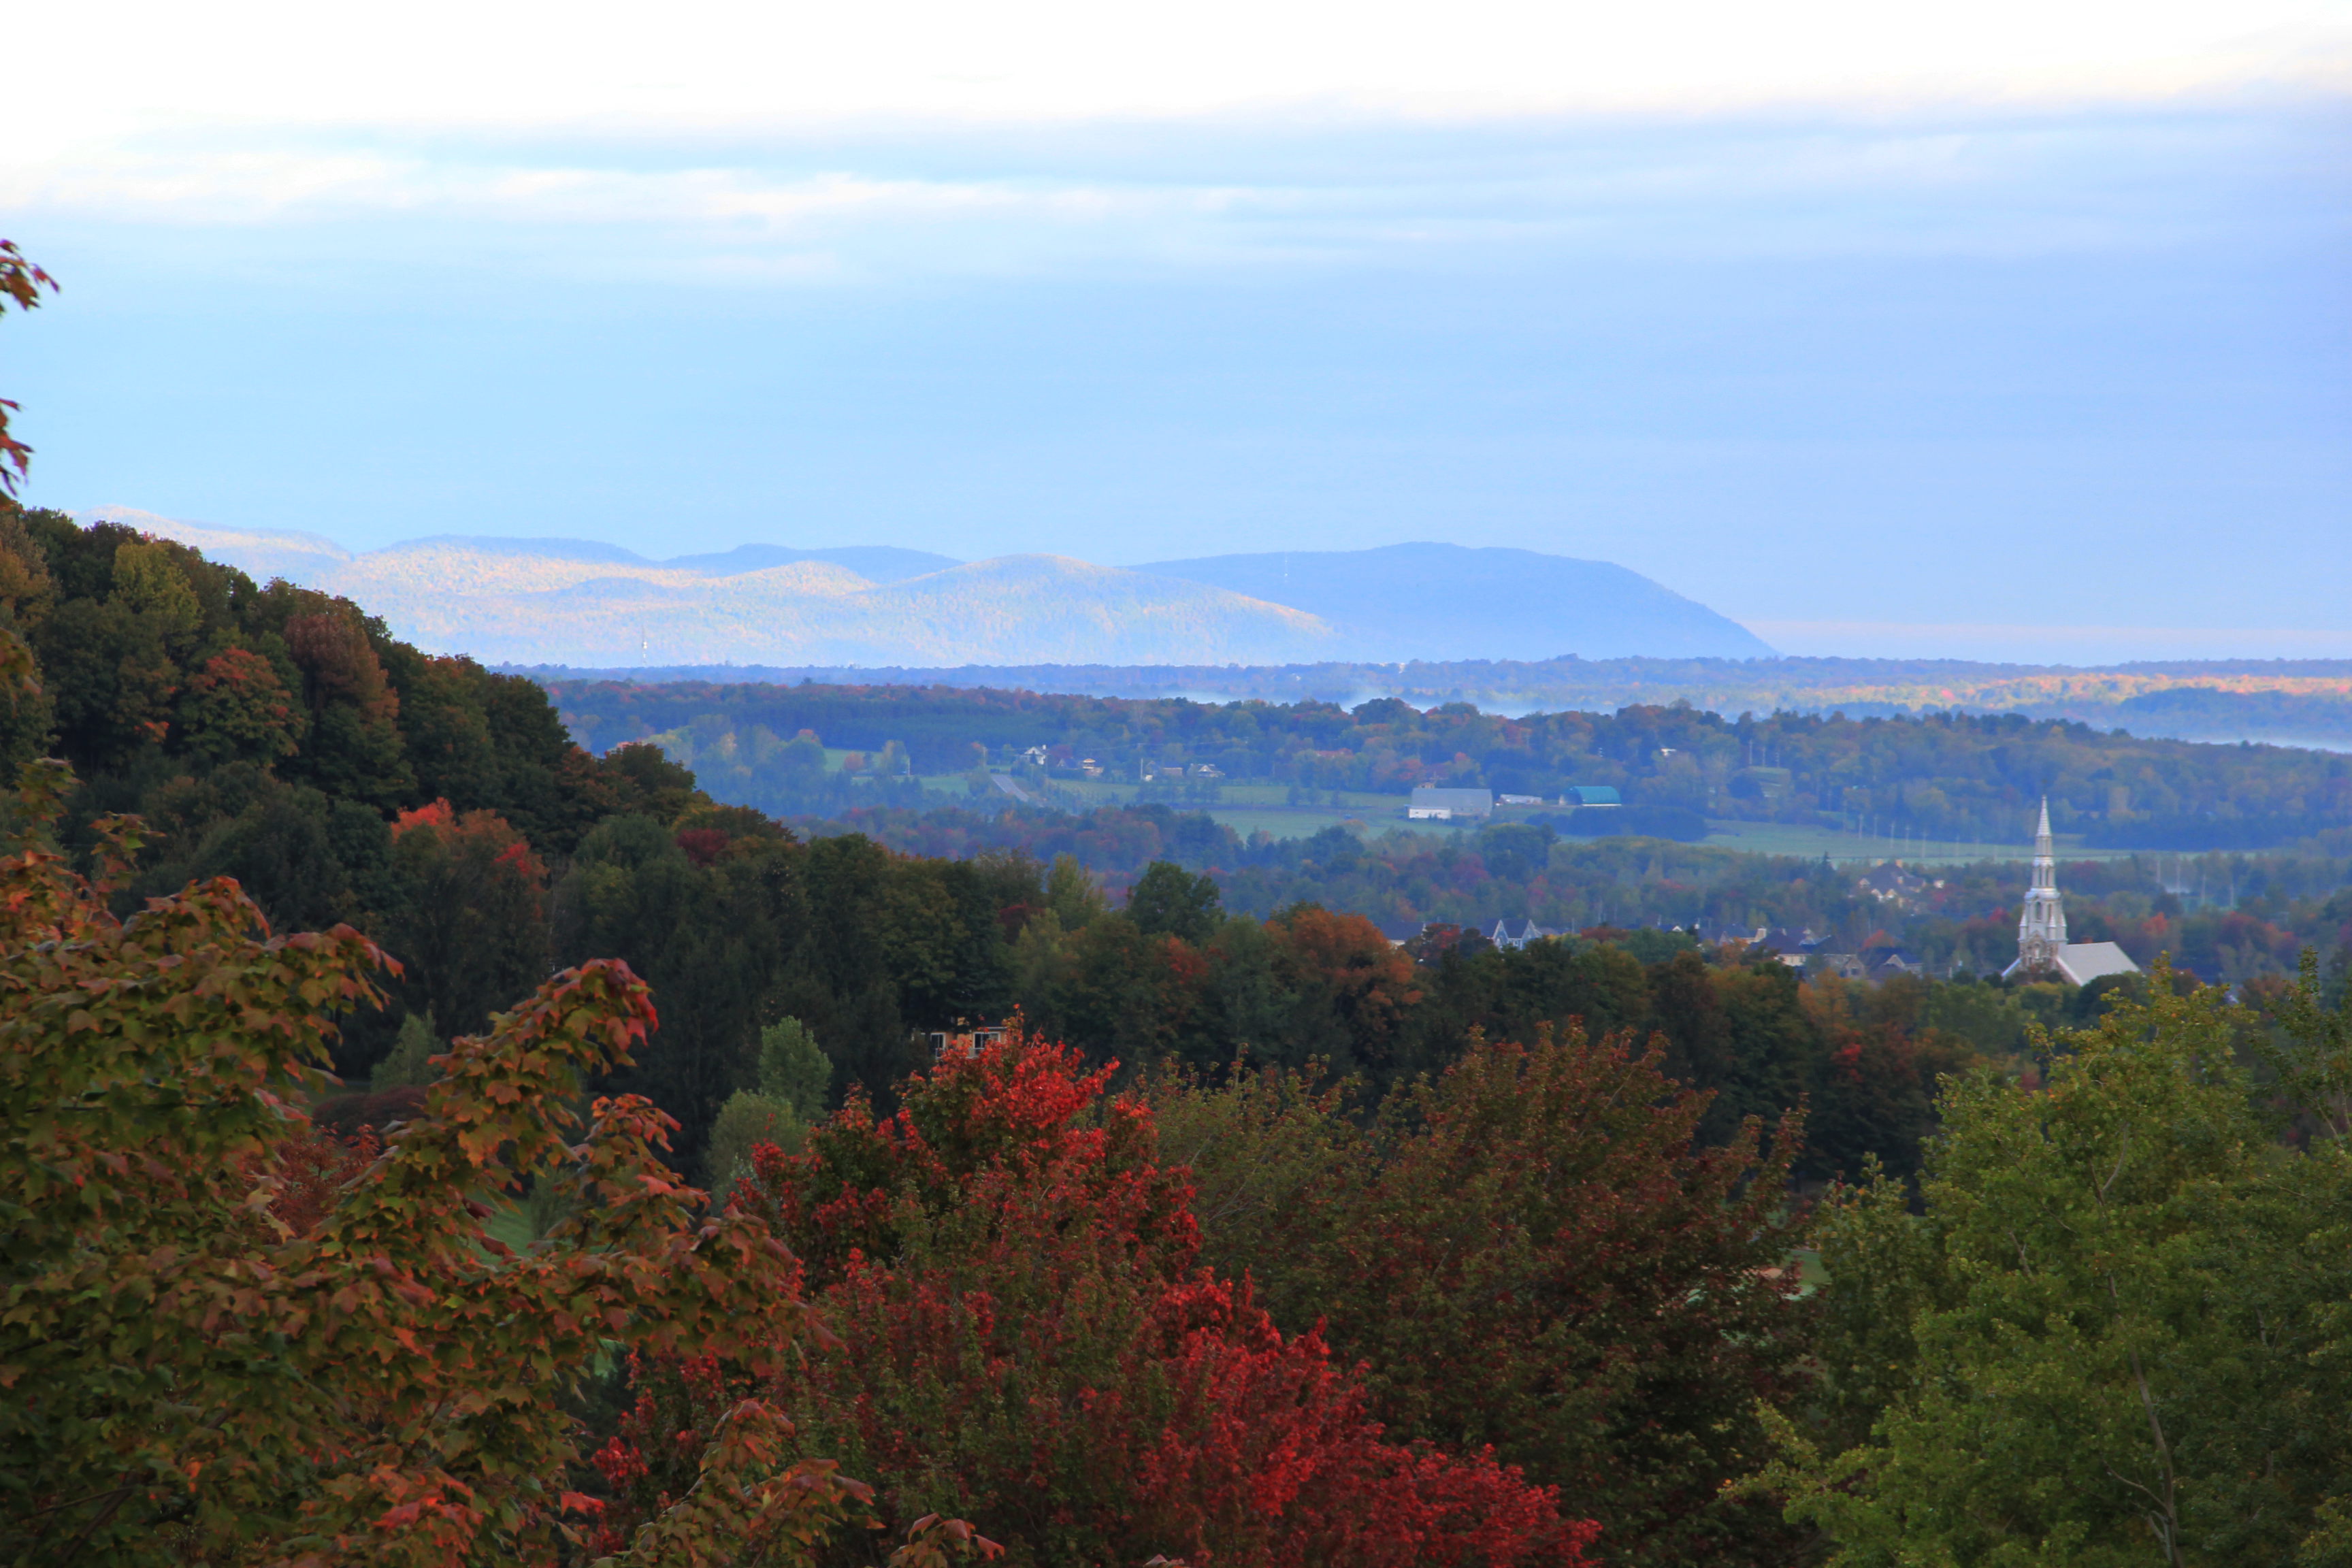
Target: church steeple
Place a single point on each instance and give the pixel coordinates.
(2042, 925)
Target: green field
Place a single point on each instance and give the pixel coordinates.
(1243, 807)
(1248, 807)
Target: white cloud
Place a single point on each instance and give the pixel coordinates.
(771, 135)
(774, 205)
(712, 61)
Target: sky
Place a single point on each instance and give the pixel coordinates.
(2007, 331)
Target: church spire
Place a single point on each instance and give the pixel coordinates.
(2042, 925)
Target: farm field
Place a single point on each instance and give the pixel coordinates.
(1245, 809)
(1248, 808)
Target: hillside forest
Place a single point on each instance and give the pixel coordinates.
(362, 1034)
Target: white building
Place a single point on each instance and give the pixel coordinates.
(1512, 934)
(2041, 945)
(1430, 803)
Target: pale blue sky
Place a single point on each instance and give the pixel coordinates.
(1878, 370)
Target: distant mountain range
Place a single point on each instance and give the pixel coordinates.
(578, 602)
(1445, 601)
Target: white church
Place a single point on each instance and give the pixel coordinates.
(2042, 949)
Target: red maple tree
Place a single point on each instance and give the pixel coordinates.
(1029, 1341)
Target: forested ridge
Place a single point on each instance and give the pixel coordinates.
(2294, 701)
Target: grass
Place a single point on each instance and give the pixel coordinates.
(1243, 807)
(1810, 1272)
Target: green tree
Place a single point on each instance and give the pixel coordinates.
(471, 921)
(289, 847)
(794, 1068)
(148, 581)
(794, 1075)
(1167, 900)
(1073, 897)
(234, 707)
(2119, 1333)
(409, 1064)
(710, 939)
(112, 677)
(28, 594)
(355, 748)
(839, 978)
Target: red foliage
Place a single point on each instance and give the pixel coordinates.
(312, 1166)
(437, 814)
(703, 846)
(1029, 1341)
(1011, 1112)
(332, 649)
(480, 835)
(1368, 983)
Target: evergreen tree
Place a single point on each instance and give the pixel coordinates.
(406, 1065)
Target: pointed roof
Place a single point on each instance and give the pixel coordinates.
(2043, 831)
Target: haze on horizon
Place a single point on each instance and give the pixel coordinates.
(2014, 331)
